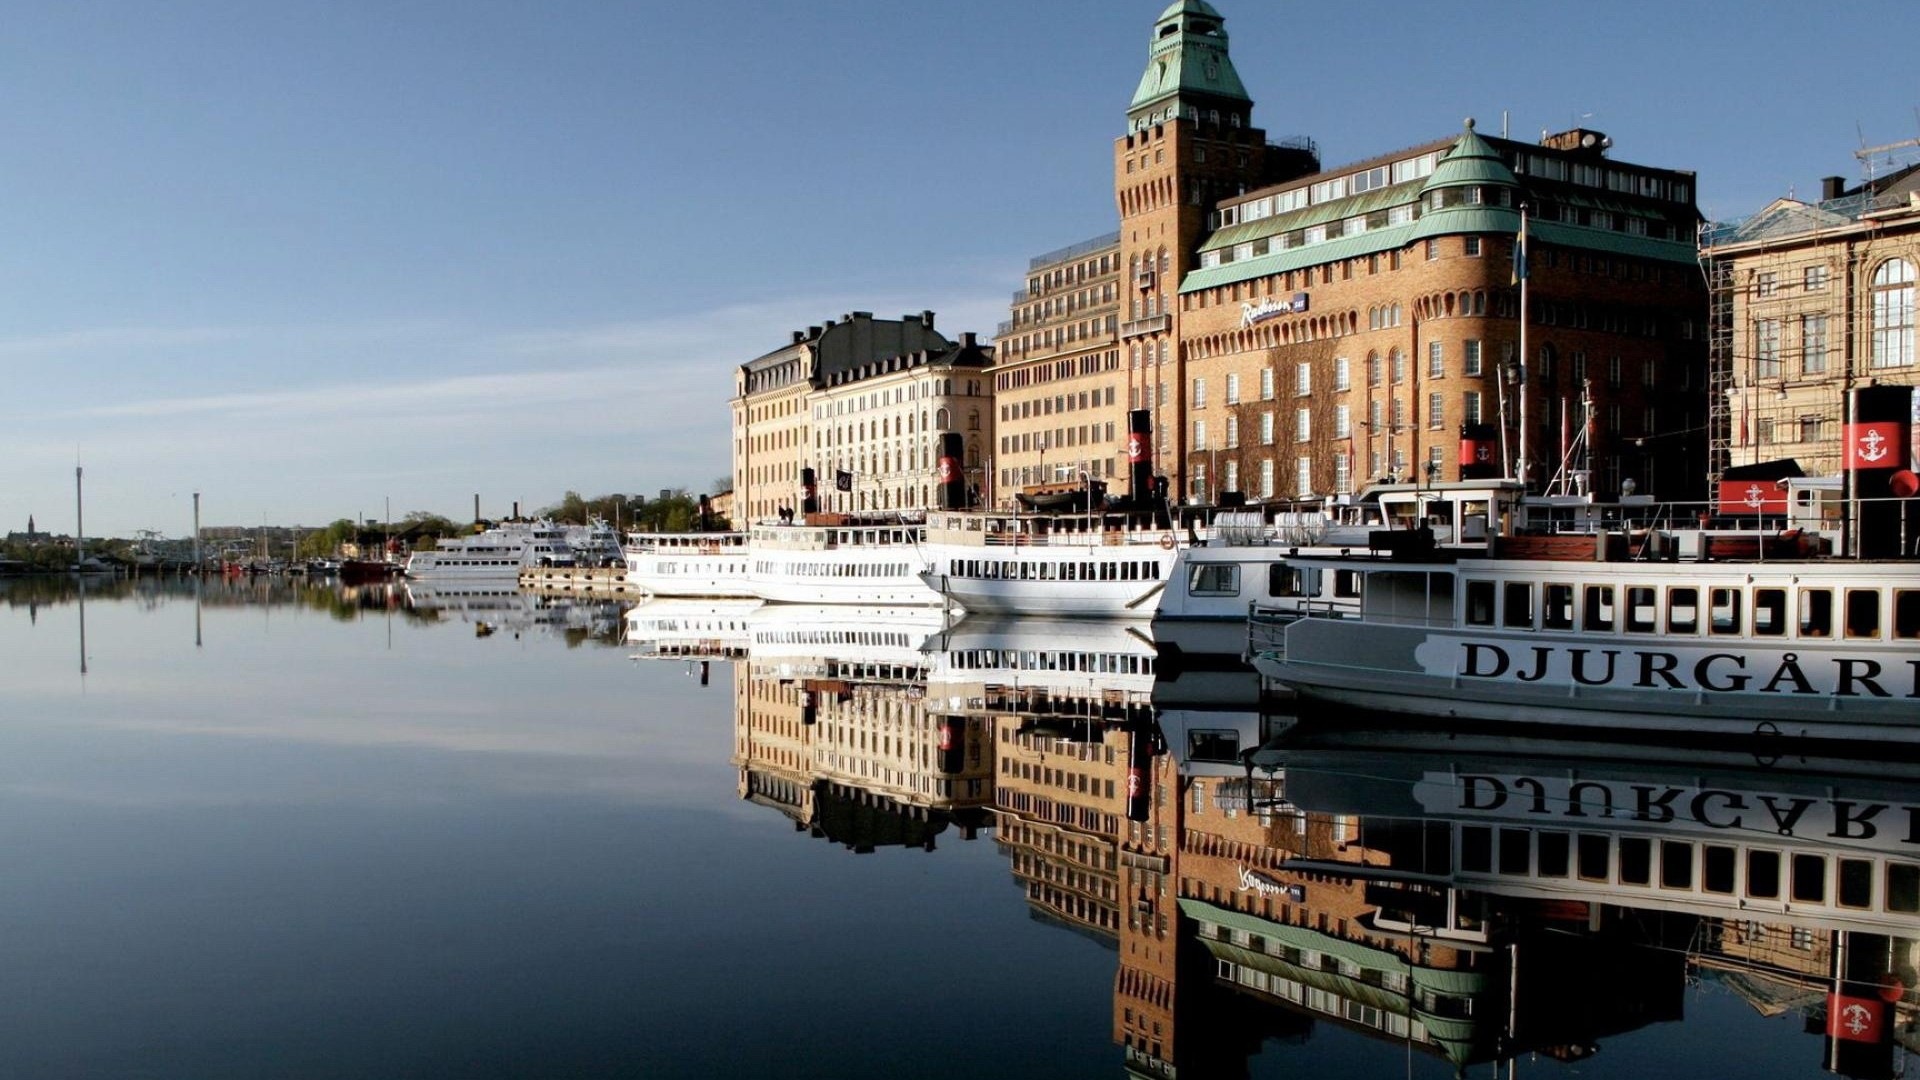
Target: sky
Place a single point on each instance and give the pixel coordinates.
(318, 258)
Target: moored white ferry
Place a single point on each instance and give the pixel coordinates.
(835, 560)
(688, 564)
(1103, 564)
(689, 628)
(1817, 647)
(500, 552)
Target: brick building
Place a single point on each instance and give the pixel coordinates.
(1297, 331)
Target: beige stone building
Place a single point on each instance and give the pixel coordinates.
(1810, 298)
(861, 395)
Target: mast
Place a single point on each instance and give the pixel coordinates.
(79, 534)
(1520, 277)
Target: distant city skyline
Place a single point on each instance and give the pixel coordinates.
(312, 258)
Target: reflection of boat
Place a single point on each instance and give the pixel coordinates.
(1825, 842)
(689, 628)
(842, 641)
(500, 552)
(999, 662)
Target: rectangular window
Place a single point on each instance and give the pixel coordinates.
(1303, 424)
(1555, 854)
(1595, 856)
(1518, 610)
(1769, 612)
(1473, 242)
(1199, 434)
(1470, 357)
(1636, 860)
(1766, 348)
(1683, 610)
(1763, 875)
(1266, 478)
(1816, 613)
(1436, 411)
(1863, 613)
(1342, 422)
(1599, 607)
(1470, 407)
(1266, 384)
(1906, 614)
(1342, 375)
(1764, 284)
(1814, 278)
(1479, 603)
(1436, 360)
(1233, 388)
(1716, 869)
(1232, 434)
(1813, 344)
(1303, 476)
(1303, 378)
(1266, 429)
(1199, 393)
(1642, 613)
(1557, 611)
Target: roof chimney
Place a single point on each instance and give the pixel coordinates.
(799, 336)
(1832, 187)
(814, 331)
(968, 340)
(926, 319)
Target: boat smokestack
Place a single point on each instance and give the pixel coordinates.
(1139, 455)
(950, 477)
(476, 506)
(1880, 469)
(1479, 452)
(809, 492)
(1140, 774)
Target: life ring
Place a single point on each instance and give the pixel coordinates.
(1166, 541)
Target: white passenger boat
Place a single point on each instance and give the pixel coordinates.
(688, 564)
(1809, 646)
(843, 641)
(1104, 661)
(1101, 565)
(834, 560)
(500, 552)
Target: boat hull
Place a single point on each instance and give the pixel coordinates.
(1842, 692)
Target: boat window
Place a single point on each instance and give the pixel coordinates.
(1854, 887)
(1863, 613)
(1217, 579)
(1816, 613)
(1480, 603)
(1599, 607)
(1595, 853)
(1556, 609)
(1676, 864)
(1903, 887)
(1284, 580)
(1514, 854)
(1769, 612)
(1518, 610)
(1346, 584)
(1810, 878)
(1636, 860)
(1725, 610)
(1555, 851)
(1643, 613)
(1476, 849)
(1763, 875)
(1716, 869)
(1906, 613)
(1683, 610)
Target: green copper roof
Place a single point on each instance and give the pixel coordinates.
(1466, 219)
(1188, 56)
(1471, 161)
(1371, 242)
(1316, 214)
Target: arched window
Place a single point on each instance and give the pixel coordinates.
(942, 420)
(1892, 302)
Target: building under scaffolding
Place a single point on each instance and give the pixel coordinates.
(1808, 299)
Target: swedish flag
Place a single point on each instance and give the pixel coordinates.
(1520, 251)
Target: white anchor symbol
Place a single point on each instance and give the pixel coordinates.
(1857, 1018)
(1482, 454)
(1755, 496)
(1873, 446)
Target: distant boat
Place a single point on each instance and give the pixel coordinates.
(367, 571)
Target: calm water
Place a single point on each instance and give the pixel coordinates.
(286, 832)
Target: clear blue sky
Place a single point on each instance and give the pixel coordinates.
(306, 257)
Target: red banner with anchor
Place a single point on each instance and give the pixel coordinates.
(1877, 445)
(1751, 497)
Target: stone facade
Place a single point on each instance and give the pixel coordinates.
(1810, 299)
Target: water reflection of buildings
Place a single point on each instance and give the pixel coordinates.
(1479, 903)
(833, 728)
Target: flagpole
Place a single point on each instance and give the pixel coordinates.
(1520, 272)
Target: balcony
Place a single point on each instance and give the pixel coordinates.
(1152, 324)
